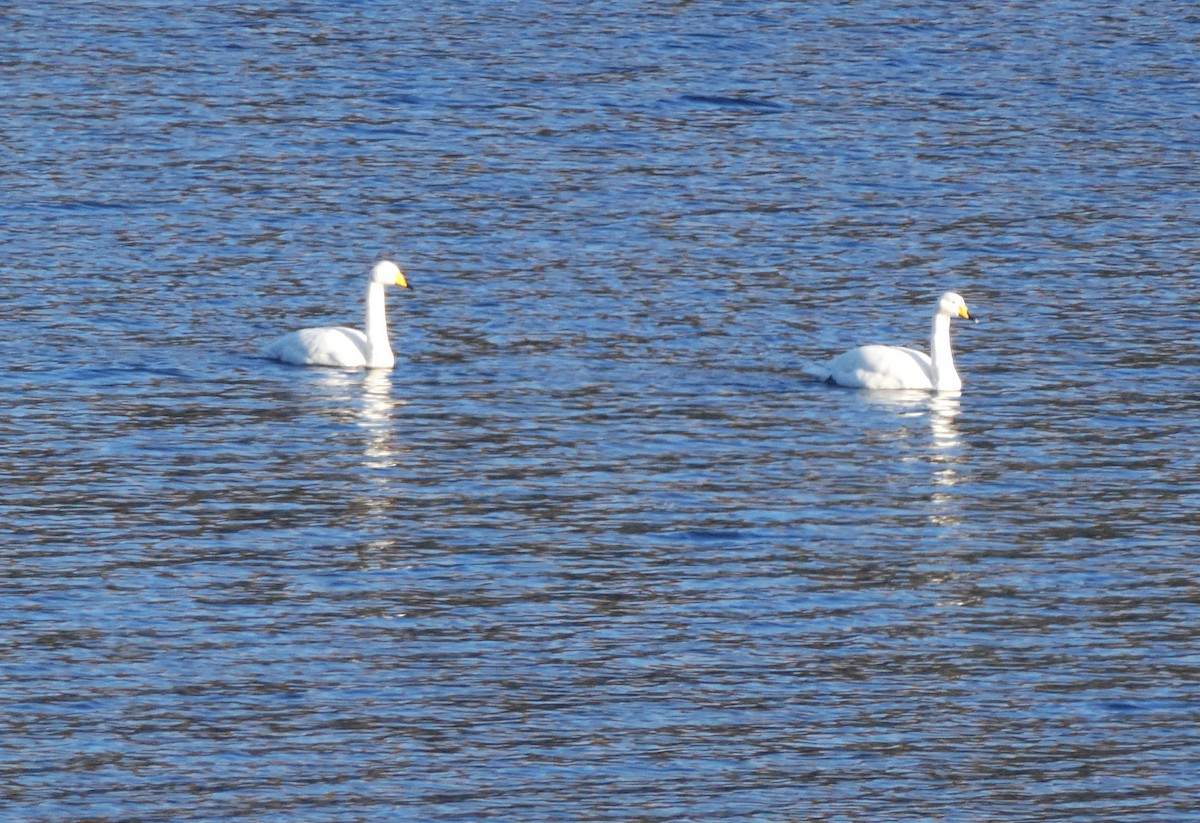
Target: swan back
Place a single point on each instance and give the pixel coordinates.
(882, 367)
(336, 346)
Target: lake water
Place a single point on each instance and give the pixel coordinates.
(596, 549)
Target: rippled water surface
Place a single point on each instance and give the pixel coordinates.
(597, 549)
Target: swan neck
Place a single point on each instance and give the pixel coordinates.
(945, 376)
(379, 349)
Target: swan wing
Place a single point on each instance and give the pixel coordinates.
(881, 367)
(336, 346)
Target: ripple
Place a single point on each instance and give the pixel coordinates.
(596, 548)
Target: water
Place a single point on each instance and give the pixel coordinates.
(596, 549)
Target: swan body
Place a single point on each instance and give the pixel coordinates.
(897, 367)
(343, 347)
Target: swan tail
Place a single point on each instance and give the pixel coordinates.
(816, 371)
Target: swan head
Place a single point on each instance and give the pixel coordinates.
(388, 273)
(953, 305)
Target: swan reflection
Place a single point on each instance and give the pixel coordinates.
(382, 448)
(944, 451)
(370, 452)
(378, 406)
(367, 398)
(944, 407)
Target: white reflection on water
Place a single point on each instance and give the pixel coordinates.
(944, 454)
(365, 401)
(944, 407)
(378, 407)
(940, 407)
(371, 392)
(382, 448)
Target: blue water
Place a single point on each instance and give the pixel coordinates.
(597, 549)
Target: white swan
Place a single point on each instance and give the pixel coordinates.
(343, 347)
(897, 367)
